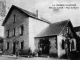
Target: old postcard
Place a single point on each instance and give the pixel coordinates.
(40, 29)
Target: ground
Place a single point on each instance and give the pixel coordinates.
(7, 57)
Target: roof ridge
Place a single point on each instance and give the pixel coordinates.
(76, 26)
(64, 26)
(53, 29)
(42, 18)
(61, 21)
(23, 9)
(33, 15)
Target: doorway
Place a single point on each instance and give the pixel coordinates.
(45, 45)
(14, 47)
(22, 44)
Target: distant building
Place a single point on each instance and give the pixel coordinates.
(57, 39)
(20, 28)
(77, 30)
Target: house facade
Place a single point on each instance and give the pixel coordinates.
(57, 39)
(20, 29)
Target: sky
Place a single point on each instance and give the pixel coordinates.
(53, 15)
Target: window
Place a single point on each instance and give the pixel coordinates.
(22, 44)
(21, 30)
(63, 44)
(13, 31)
(72, 45)
(7, 35)
(14, 18)
(67, 29)
(7, 45)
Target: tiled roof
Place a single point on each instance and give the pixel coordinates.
(24, 11)
(53, 29)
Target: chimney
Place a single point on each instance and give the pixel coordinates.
(36, 13)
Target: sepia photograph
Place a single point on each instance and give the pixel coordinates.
(39, 29)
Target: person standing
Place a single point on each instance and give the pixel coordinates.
(17, 49)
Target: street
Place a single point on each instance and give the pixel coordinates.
(7, 57)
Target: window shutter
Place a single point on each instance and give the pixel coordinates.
(10, 33)
(16, 31)
(6, 34)
(19, 30)
(13, 32)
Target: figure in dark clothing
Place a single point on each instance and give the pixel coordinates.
(30, 52)
(17, 53)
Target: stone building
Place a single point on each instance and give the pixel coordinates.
(77, 30)
(20, 28)
(57, 39)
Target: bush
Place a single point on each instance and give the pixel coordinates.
(26, 52)
(53, 55)
(74, 55)
(23, 52)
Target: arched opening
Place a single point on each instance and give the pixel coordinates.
(72, 45)
(44, 45)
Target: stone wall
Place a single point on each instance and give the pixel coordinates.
(21, 19)
(53, 45)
